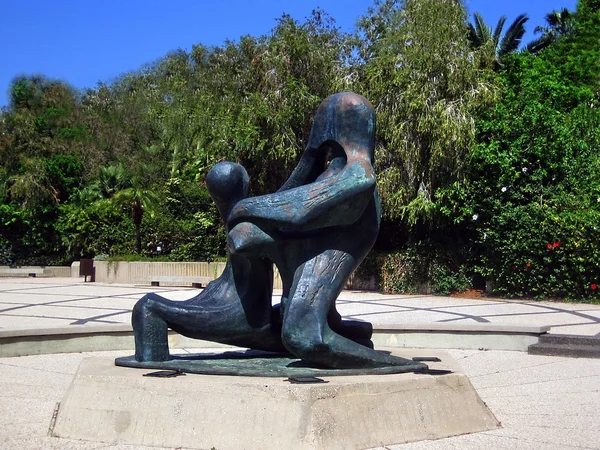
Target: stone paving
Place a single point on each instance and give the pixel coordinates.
(28, 303)
(542, 402)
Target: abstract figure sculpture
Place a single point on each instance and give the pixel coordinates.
(316, 229)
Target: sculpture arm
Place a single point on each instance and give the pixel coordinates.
(336, 201)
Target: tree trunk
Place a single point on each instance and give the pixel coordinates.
(137, 221)
(138, 238)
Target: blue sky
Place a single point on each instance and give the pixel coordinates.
(86, 41)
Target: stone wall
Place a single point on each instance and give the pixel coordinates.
(49, 271)
(138, 272)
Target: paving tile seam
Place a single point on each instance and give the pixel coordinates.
(521, 368)
(33, 368)
(552, 427)
(521, 395)
(537, 441)
(75, 319)
(87, 308)
(534, 313)
(440, 309)
(122, 296)
(38, 316)
(575, 324)
(462, 316)
(44, 286)
(378, 302)
(529, 383)
(55, 303)
(583, 402)
(43, 294)
(562, 414)
(573, 313)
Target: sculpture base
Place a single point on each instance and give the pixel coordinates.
(254, 363)
(118, 405)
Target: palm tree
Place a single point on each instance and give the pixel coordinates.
(559, 23)
(138, 199)
(130, 190)
(111, 180)
(493, 43)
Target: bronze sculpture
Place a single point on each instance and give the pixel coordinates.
(316, 229)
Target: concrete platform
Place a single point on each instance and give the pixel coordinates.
(118, 405)
(543, 402)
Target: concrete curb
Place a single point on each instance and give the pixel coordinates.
(464, 336)
(77, 339)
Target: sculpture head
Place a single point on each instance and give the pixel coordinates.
(343, 129)
(347, 119)
(227, 184)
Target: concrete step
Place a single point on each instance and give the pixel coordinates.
(567, 350)
(569, 339)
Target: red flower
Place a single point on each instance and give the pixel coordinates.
(549, 246)
(593, 286)
(556, 244)
(528, 264)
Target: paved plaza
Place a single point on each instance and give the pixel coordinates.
(543, 402)
(33, 303)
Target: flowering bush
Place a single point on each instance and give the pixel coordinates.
(535, 187)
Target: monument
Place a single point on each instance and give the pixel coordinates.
(316, 229)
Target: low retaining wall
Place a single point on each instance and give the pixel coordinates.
(137, 272)
(49, 271)
(125, 272)
(86, 338)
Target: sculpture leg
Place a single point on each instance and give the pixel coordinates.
(211, 315)
(150, 330)
(306, 332)
(354, 330)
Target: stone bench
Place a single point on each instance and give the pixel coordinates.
(31, 272)
(197, 282)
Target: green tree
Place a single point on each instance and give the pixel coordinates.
(136, 194)
(534, 185)
(139, 200)
(41, 141)
(426, 86)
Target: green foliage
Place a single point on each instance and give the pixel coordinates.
(487, 159)
(29, 236)
(96, 228)
(420, 73)
(535, 188)
(423, 268)
(201, 238)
